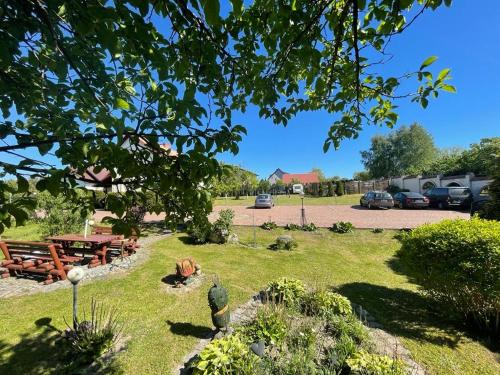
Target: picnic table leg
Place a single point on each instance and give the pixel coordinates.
(104, 250)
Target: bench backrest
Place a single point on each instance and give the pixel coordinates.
(32, 250)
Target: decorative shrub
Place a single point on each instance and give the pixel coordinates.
(324, 302)
(340, 188)
(292, 226)
(199, 230)
(285, 290)
(457, 262)
(60, 216)
(311, 227)
(366, 363)
(92, 338)
(284, 242)
(269, 326)
(347, 325)
(337, 356)
(222, 227)
(269, 225)
(342, 227)
(377, 230)
(228, 355)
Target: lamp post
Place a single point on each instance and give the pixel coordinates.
(303, 220)
(88, 222)
(74, 276)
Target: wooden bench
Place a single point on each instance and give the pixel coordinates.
(37, 258)
(125, 246)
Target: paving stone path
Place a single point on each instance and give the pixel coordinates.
(13, 287)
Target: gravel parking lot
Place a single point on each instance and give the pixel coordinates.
(325, 216)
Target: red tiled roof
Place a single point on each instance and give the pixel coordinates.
(303, 178)
(103, 175)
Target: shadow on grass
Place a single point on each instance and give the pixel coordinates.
(403, 313)
(188, 329)
(42, 350)
(170, 279)
(36, 352)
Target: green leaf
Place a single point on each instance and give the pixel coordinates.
(428, 62)
(443, 74)
(212, 9)
(449, 88)
(237, 6)
(22, 184)
(294, 5)
(122, 104)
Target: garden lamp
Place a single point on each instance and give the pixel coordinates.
(74, 276)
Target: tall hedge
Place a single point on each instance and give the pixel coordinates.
(457, 262)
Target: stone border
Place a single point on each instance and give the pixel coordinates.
(385, 343)
(172, 289)
(22, 286)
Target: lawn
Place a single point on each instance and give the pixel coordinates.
(163, 327)
(291, 200)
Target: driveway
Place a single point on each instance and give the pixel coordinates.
(325, 216)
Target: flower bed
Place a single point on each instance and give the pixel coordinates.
(297, 331)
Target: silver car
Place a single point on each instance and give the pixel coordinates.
(264, 201)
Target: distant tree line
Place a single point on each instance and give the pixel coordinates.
(411, 151)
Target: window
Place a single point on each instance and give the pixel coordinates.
(459, 192)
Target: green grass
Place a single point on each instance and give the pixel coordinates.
(163, 327)
(292, 200)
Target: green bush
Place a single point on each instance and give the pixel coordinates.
(292, 226)
(59, 216)
(228, 355)
(342, 227)
(457, 262)
(284, 242)
(199, 230)
(336, 357)
(324, 303)
(347, 325)
(366, 363)
(285, 290)
(269, 326)
(222, 227)
(377, 230)
(340, 188)
(269, 225)
(311, 227)
(90, 339)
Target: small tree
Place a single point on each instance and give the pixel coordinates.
(59, 216)
(331, 189)
(340, 189)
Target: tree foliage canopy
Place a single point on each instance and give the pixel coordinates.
(408, 150)
(79, 77)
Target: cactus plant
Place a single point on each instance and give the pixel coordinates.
(218, 302)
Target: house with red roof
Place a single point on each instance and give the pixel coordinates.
(302, 178)
(289, 178)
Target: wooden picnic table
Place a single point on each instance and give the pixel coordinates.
(97, 243)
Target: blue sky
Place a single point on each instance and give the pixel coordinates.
(465, 37)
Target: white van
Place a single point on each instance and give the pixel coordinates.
(298, 189)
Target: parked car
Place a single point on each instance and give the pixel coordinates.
(380, 199)
(409, 199)
(446, 197)
(479, 202)
(264, 201)
(298, 189)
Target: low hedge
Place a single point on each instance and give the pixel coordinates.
(457, 262)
